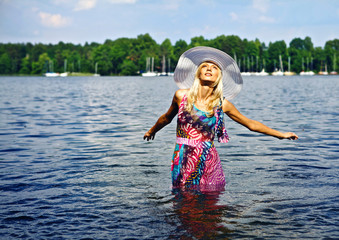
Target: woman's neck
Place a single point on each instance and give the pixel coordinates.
(204, 93)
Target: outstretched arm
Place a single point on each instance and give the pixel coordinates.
(253, 125)
(167, 117)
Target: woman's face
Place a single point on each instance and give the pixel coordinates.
(209, 72)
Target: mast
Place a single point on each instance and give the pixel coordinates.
(281, 64)
(65, 65)
(148, 60)
(334, 62)
(302, 64)
(152, 64)
(163, 63)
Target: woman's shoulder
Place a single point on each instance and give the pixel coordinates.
(227, 105)
(179, 94)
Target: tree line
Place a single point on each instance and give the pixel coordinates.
(127, 56)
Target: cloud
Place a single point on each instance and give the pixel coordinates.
(234, 16)
(53, 20)
(265, 19)
(58, 2)
(85, 5)
(261, 5)
(171, 5)
(123, 1)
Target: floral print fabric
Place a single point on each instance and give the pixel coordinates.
(195, 160)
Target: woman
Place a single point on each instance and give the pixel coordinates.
(208, 78)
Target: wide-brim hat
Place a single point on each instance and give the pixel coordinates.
(190, 60)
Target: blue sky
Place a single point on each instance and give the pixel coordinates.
(80, 21)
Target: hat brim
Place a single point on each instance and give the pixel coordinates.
(190, 60)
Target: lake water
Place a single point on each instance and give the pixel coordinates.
(73, 164)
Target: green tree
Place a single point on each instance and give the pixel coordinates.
(119, 51)
(231, 45)
(42, 65)
(296, 52)
(199, 41)
(166, 50)
(128, 68)
(332, 54)
(179, 48)
(146, 47)
(26, 66)
(308, 44)
(5, 64)
(274, 51)
(101, 56)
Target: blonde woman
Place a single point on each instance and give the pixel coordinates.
(207, 78)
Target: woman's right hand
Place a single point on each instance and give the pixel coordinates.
(149, 136)
(167, 117)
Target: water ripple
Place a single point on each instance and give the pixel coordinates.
(73, 163)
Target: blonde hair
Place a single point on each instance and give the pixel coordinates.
(215, 97)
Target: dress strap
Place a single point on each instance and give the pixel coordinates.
(182, 105)
(220, 125)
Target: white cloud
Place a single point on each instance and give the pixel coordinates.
(171, 5)
(261, 5)
(53, 20)
(266, 19)
(123, 1)
(208, 2)
(58, 2)
(85, 5)
(234, 16)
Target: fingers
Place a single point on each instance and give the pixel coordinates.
(148, 136)
(292, 136)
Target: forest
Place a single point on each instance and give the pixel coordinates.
(128, 56)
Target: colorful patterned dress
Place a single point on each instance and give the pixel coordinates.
(196, 162)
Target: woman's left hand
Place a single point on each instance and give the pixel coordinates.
(290, 136)
(149, 135)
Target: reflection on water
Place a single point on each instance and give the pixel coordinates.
(73, 164)
(200, 214)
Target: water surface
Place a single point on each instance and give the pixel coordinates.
(73, 164)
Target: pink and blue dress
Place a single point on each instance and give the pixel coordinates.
(196, 162)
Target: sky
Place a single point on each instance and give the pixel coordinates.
(80, 21)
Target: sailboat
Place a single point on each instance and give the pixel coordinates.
(163, 73)
(169, 68)
(308, 72)
(289, 73)
(149, 68)
(248, 66)
(64, 74)
(333, 72)
(279, 72)
(323, 72)
(51, 72)
(96, 71)
(263, 72)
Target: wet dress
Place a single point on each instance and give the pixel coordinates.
(195, 161)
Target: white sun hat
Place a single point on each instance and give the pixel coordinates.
(190, 60)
